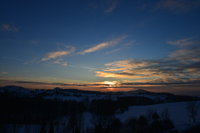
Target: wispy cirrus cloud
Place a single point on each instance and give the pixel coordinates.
(124, 64)
(8, 27)
(120, 75)
(183, 42)
(113, 51)
(34, 42)
(60, 62)
(178, 5)
(128, 69)
(107, 6)
(181, 66)
(56, 54)
(186, 55)
(3, 73)
(111, 5)
(125, 46)
(189, 50)
(162, 70)
(103, 45)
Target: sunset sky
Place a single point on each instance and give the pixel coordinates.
(112, 45)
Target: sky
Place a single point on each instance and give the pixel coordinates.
(105, 45)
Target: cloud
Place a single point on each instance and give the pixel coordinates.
(125, 64)
(56, 54)
(102, 45)
(111, 5)
(107, 6)
(34, 42)
(60, 62)
(183, 42)
(181, 66)
(161, 83)
(51, 85)
(8, 27)
(120, 75)
(113, 51)
(188, 52)
(3, 73)
(187, 55)
(130, 69)
(178, 5)
(163, 70)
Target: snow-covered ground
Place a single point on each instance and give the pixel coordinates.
(21, 128)
(177, 111)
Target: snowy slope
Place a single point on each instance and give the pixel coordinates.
(177, 111)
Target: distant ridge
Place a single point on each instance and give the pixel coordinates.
(13, 88)
(140, 91)
(80, 95)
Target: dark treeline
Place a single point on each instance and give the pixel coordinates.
(152, 123)
(37, 110)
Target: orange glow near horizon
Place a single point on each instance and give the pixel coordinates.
(108, 86)
(111, 83)
(113, 89)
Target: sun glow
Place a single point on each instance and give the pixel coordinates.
(111, 83)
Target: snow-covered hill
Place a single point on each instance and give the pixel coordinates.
(79, 95)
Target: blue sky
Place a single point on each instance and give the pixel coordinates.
(78, 42)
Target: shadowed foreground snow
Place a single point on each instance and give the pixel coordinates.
(177, 111)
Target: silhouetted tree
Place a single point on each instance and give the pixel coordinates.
(141, 125)
(192, 109)
(42, 129)
(156, 127)
(194, 129)
(165, 114)
(155, 116)
(51, 128)
(98, 128)
(167, 124)
(75, 123)
(160, 125)
(116, 125)
(131, 124)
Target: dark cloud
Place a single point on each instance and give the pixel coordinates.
(46, 83)
(111, 5)
(159, 82)
(178, 5)
(8, 27)
(107, 6)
